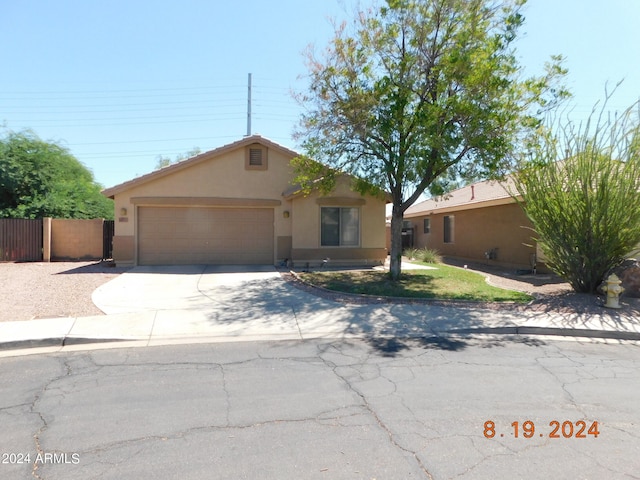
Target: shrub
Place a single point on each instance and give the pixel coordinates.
(411, 253)
(426, 255)
(429, 255)
(581, 193)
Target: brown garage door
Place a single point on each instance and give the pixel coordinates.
(194, 235)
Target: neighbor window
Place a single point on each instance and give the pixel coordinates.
(448, 228)
(339, 226)
(427, 225)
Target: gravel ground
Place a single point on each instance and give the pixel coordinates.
(49, 290)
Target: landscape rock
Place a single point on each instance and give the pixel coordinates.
(629, 273)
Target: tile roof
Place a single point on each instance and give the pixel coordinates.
(477, 195)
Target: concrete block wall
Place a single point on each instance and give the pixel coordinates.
(73, 239)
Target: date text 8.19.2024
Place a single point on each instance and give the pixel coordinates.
(557, 429)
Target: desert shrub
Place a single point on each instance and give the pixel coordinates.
(580, 191)
(411, 253)
(429, 255)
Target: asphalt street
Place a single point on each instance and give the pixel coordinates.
(386, 408)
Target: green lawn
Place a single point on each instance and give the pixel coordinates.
(445, 282)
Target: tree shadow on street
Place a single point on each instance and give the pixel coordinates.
(394, 346)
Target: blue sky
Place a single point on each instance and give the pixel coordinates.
(121, 82)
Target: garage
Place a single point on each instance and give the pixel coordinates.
(205, 235)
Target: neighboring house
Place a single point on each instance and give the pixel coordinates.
(480, 222)
(236, 205)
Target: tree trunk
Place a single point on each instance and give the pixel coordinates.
(395, 259)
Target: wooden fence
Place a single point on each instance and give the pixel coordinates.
(20, 240)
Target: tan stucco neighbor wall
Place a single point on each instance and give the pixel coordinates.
(75, 239)
(479, 230)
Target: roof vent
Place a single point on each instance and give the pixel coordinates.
(255, 157)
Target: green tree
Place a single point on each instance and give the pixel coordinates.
(42, 179)
(417, 94)
(580, 188)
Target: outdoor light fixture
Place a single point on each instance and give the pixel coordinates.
(123, 211)
(285, 214)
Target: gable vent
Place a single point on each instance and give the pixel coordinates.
(255, 157)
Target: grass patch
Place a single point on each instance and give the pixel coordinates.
(445, 282)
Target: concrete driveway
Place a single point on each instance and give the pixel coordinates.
(220, 301)
(186, 287)
(251, 302)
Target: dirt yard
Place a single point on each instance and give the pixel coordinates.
(49, 290)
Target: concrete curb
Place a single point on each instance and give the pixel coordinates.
(549, 331)
(55, 342)
(519, 331)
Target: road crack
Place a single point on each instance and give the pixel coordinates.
(334, 368)
(66, 371)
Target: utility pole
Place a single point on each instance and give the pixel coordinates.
(249, 107)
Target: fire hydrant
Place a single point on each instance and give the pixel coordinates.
(613, 291)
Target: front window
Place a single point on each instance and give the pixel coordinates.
(339, 227)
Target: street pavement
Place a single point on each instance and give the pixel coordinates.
(496, 408)
(247, 376)
(149, 306)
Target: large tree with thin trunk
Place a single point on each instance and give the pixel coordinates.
(415, 94)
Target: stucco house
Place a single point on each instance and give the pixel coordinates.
(481, 222)
(236, 205)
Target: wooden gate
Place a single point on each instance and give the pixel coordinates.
(108, 227)
(20, 240)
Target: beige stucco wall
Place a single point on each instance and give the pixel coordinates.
(73, 239)
(306, 227)
(479, 230)
(222, 177)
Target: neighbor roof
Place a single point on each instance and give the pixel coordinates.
(477, 195)
(112, 191)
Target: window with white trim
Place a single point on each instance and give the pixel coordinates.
(339, 227)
